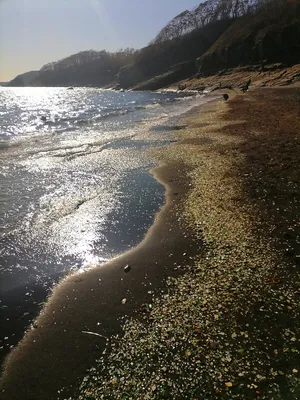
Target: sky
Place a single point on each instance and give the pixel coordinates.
(35, 32)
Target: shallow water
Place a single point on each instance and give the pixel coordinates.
(75, 187)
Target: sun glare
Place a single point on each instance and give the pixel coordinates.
(104, 18)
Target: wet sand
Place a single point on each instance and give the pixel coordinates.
(56, 353)
(233, 179)
(230, 326)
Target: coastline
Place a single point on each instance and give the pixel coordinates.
(233, 316)
(45, 361)
(119, 222)
(229, 327)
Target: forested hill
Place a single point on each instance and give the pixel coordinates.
(23, 79)
(86, 68)
(207, 12)
(216, 35)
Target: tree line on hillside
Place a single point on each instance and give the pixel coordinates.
(206, 13)
(185, 38)
(271, 35)
(86, 68)
(175, 49)
(158, 58)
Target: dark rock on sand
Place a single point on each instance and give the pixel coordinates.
(127, 268)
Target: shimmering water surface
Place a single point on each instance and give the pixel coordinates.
(75, 190)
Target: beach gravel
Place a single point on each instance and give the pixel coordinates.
(229, 326)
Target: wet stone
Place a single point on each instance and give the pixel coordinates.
(127, 268)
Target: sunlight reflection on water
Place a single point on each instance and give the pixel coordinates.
(76, 190)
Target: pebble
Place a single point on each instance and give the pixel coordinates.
(213, 345)
(232, 350)
(127, 268)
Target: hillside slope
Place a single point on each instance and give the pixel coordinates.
(216, 36)
(86, 68)
(169, 56)
(271, 35)
(25, 79)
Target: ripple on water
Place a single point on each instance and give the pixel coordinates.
(74, 193)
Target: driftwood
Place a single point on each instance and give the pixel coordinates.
(95, 334)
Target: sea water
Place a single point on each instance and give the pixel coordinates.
(75, 186)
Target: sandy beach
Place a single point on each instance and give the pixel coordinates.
(227, 323)
(45, 361)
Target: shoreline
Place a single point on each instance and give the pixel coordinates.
(24, 302)
(43, 363)
(229, 326)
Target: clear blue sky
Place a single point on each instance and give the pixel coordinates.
(35, 32)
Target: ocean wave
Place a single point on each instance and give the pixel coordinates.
(88, 114)
(4, 144)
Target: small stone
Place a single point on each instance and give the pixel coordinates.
(289, 252)
(295, 371)
(124, 301)
(144, 308)
(228, 384)
(212, 344)
(127, 268)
